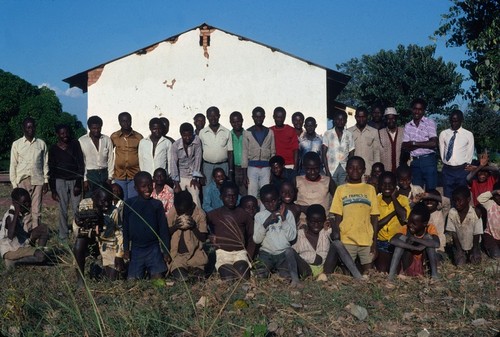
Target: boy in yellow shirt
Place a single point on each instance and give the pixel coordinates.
(354, 212)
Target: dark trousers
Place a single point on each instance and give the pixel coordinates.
(424, 171)
(453, 177)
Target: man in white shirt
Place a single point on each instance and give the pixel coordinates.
(456, 147)
(98, 156)
(154, 150)
(29, 169)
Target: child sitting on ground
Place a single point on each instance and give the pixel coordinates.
(250, 204)
(161, 190)
(313, 188)
(274, 229)
(231, 230)
(211, 195)
(415, 243)
(316, 250)
(14, 240)
(394, 210)
(188, 229)
(287, 195)
(146, 239)
(482, 178)
(432, 199)
(355, 212)
(466, 227)
(373, 179)
(491, 236)
(406, 188)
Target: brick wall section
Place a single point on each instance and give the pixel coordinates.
(93, 75)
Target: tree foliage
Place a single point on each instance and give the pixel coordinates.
(20, 99)
(484, 122)
(475, 24)
(396, 77)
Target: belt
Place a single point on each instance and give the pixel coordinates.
(423, 156)
(457, 167)
(221, 162)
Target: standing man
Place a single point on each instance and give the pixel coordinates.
(126, 143)
(377, 117)
(154, 150)
(391, 139)
(185, 162)
(236, 120)
(338, 147)
(456, 147)
(366, 139)
(298, 123)
(66, 170)
(309, 141)
(285, 137)
(258, 148)
(29, 169)
(217, 146)
(98, 156)
(420, 138)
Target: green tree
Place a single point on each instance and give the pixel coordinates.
(396, 77)
(484, 122)
(20, 99)
(475, 24)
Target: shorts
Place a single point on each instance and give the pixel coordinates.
(224, 257)
(148, 259)
(385, 247)
(20, 253)
(365, 256)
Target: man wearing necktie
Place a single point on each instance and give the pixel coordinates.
(456, 146)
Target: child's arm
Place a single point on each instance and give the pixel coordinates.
(335, 220)
(126, 238)
(397, 242)
(428, 243)
(385, 220)
(289, 225)
(401, 212)
(332, 187)
(324, 150)
(374, 221)
(475, 256)
(11, 223)
(483, 161)
(485, 198)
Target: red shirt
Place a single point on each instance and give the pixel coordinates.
(286, 142)
(478, 188)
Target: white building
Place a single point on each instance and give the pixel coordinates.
(189, 72)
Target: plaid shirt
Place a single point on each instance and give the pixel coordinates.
(425, 130)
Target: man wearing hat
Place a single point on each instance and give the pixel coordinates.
(391, 138)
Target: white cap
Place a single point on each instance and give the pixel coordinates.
(390, 111)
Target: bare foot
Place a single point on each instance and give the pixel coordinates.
(296, 284)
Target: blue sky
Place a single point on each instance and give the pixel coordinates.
(47, 41)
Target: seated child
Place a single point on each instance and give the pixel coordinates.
(146, 239)
(394, 210)
(250, 204)
(415, 243)
(406, 188)
(98, 230)
(377, 169)
(274, 229)
(354, 212)
(14, 240)
(482, 178)
(313, 188)
(316, 250)
(161, 190)
(188, 230)
(279, 173)
(232, 230)
(211, 195)
(466, 227)
(432, 199)
(491, 236)
(287, 195)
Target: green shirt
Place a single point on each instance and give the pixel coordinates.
(237, 147)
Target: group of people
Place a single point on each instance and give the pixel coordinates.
(262, 200)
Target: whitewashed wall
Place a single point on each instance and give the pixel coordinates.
(238, 75)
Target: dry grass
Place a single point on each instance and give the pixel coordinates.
(43, 301)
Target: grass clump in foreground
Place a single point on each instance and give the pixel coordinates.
(44, 301)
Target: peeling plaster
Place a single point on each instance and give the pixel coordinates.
(93, 75)
(171, 86)
(205, 32)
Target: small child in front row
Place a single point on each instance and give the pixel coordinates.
(355, 212)
(432, 199)
(188, 230)
(406, 188)
(14, 241)
(415, 242)
(316, 250)
(250, 204)
(288, 194)
(491, 236)
(146, 239)
(466, 227)
(274, 228)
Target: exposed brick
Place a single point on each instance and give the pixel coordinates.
(93, 75)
